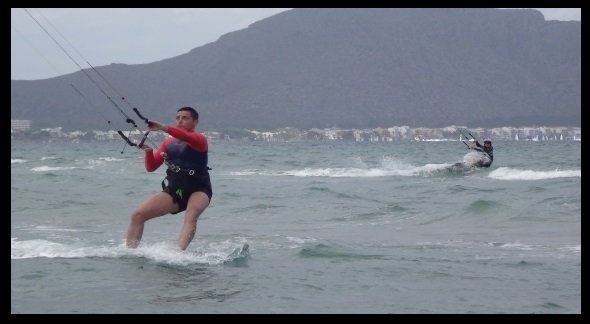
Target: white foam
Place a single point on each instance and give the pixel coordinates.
(390, 166)
(46, 168)
(506, 173)
(165, 252)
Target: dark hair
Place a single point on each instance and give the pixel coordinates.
(192, 110)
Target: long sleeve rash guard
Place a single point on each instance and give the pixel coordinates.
(195, 141)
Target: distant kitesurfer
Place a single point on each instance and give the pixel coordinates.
(486, 149)
(188, 184)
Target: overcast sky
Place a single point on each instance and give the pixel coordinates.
(103, 36)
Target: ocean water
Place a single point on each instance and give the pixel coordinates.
(314, 227)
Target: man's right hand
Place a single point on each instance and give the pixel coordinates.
(145, 147)
(156, 126)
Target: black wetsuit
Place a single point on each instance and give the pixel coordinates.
(187, 158)
(489, 151)
(187, 173)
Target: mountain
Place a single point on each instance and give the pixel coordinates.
(344, 67)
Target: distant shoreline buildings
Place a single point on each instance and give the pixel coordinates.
(22, 129)
(20, 124)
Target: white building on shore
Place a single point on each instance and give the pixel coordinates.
(20, 124)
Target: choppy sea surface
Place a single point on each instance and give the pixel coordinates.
(313, 227)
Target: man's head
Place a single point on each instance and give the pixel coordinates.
(192, 110)
(187, 118)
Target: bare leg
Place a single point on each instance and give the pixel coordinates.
(157, 205)
(195, 207)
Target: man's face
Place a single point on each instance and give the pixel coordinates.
(185, 120)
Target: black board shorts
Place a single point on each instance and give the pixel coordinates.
(182, 186)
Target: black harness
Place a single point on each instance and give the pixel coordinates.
(174, 172)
